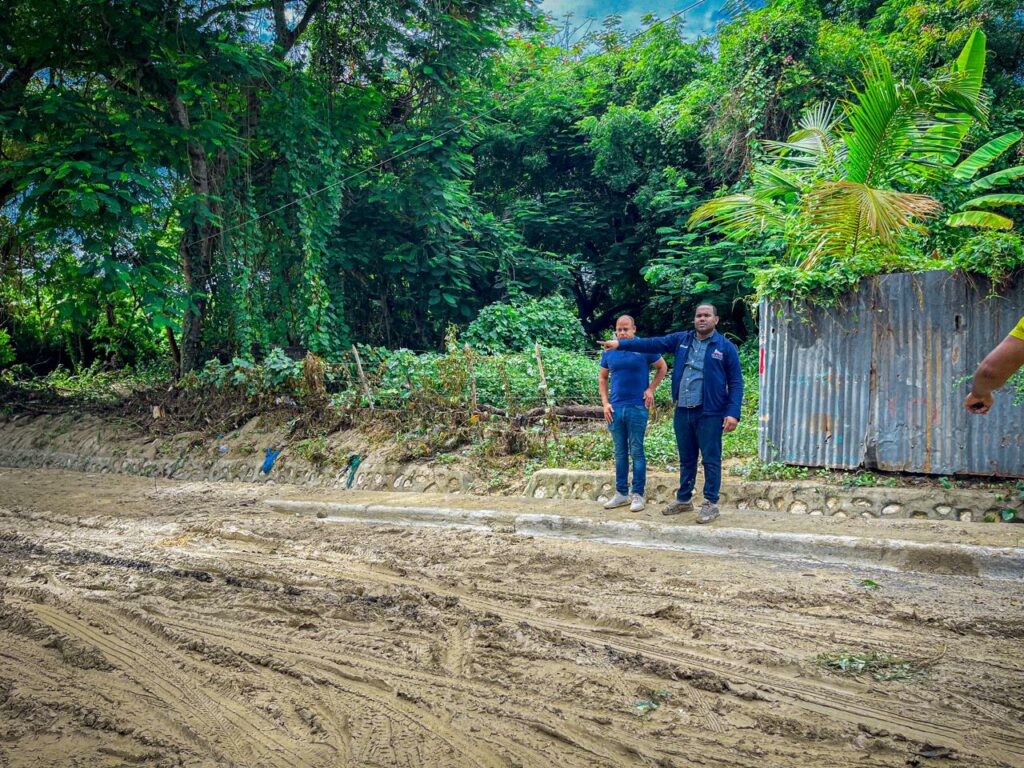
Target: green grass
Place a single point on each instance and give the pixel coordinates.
(772, 470)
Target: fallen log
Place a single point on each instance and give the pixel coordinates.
(562, 411)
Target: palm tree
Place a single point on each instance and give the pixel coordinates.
(834, 185)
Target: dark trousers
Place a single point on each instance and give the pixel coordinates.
(695, 433)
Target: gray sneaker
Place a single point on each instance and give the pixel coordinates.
(678, 507)
(637, 505)
(618, 500)
(708, 512)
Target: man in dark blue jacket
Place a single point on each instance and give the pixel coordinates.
(707, 388)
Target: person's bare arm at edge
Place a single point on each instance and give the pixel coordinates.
(602, 387)
(660, 369)
(997, 367)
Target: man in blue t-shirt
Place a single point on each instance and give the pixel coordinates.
(625, 410)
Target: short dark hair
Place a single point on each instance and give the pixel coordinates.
(714, 309)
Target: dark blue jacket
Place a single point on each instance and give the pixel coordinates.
(723, 380)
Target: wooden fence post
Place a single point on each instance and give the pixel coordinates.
(550, 419)
(362, 376)
(472, 380)
(543, 380)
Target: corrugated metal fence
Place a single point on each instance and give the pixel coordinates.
(878, 380)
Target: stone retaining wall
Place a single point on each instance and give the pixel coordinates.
(88, 444)
(794, 497)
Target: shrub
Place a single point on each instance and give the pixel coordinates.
(6, 349)
(514, 327)
(997, 255)
(276, 373)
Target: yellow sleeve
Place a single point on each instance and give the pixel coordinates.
(1018, 331)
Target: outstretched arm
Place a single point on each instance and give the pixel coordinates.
(998, 366)
(661, 344)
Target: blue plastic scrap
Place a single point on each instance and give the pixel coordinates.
(268, 463)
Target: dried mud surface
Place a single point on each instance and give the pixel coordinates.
(163, 623)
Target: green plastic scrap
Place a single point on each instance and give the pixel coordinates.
(866, 583)
(353, 465)
(649, 705)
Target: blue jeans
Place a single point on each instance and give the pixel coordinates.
(697, 432)
(629, 424)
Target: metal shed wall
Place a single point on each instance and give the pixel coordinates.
(878, 380)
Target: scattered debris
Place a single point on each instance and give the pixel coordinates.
(654, 701)
(881, 666)
(268, 462)
(927, 750)
(353, 464)
(866, 583)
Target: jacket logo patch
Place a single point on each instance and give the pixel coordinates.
(717, 354)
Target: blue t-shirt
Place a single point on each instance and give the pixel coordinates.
(630, 375)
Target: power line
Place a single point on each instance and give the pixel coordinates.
(434, 138)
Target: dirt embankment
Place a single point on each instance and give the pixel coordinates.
(182, 624)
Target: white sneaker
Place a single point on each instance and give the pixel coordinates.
(637, 504)
(618, 500)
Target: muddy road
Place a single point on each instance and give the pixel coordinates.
(158, 623)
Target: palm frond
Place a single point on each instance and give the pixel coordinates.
(846, 212)
(971, 62)
(771, 182)
(814, 141)
(882, 129)
(739, 216)
(958, 100)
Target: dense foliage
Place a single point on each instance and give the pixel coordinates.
(194, 180)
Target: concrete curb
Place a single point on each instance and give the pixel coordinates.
(891, 554)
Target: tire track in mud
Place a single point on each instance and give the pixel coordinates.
(233, 727)
(831, 701)
(489, 688)
(458, 649)
(359, 690)
(945, 727)
(376, 670)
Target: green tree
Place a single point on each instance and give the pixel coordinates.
(832, 188)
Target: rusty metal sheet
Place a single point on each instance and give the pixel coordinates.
(992, 444)
(917, 422)
(814, 391)
(878, 380)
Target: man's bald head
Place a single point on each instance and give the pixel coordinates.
(625, 327)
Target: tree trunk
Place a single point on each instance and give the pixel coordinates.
(198, 239)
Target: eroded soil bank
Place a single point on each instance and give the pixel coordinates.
(170, 623)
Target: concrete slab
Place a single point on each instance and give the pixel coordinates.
(997, 553)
